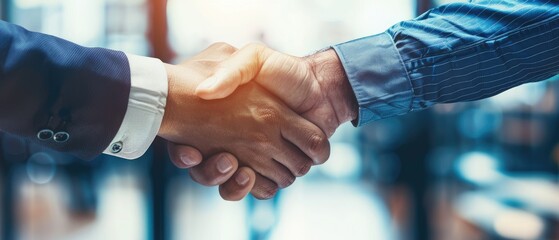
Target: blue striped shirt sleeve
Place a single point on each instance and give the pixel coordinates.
(454, 53)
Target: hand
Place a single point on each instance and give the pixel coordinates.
(315, 87)
(220, 169)
(251, 124)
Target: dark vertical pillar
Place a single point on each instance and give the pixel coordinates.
(159, 182)
(158, 30)
(414, 175)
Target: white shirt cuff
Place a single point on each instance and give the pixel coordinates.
(146, 106)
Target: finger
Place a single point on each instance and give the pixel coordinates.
(308, 138)
(264, 188)
(240, 68)
(274, 171)
(238, 186)
(184, 156)
(216, 52)
(293, 158)
(215, 170)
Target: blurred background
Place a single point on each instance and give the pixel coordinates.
(480, 170)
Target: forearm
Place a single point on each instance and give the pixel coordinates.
(471, 51)
(458, 52)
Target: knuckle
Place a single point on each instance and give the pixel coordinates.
(222, 46)
(286, 181)
(264, 190)
(227, 48)
(256, 46)
(303, 169)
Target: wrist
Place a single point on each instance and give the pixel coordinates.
(328, 70)
(164, 130)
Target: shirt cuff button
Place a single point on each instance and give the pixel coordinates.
(116, 147)
(45, 134)
(61, 137)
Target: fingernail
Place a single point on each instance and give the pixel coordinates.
(207, 84)
(242, 178)
(187, 160)
(224, 165)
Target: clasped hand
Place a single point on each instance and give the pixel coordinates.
(260, 136)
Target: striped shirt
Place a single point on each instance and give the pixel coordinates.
(454, 53)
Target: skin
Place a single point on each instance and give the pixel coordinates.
(315, 87)
(210, 172)
(264, 134)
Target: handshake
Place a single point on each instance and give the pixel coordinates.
(259, 118)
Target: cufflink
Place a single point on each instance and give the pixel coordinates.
(45, 134)
(61, 137)
(117, 147)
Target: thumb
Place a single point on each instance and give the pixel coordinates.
(220, 85)
(242, 67)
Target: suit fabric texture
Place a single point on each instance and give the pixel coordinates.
(49, 83)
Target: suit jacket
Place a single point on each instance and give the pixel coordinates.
(47, 83)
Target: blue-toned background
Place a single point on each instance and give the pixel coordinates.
(482, 170)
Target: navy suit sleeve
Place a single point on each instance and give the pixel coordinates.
(50, 83)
